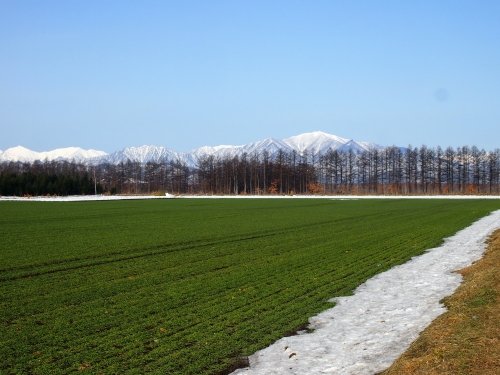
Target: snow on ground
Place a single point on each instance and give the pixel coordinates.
(366, 332)
(340, 197)
(79, 198)
(75, 198)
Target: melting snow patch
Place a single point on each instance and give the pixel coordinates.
(81, 198)
(340, 197)
(366, 332)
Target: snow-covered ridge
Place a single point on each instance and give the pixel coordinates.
(141, 154)
(315, 142)
(22, 154)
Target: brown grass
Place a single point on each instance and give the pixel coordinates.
(464, 340)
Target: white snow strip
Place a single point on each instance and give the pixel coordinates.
(80, 198)
(340, 197)
(366, 332)
(76, 198)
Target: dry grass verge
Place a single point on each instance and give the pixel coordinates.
(466, 339)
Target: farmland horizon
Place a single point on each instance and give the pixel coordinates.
(309, 163)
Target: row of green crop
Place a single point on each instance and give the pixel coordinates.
(212, 281)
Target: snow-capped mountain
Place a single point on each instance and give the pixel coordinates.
(270, 145)
(320, 142)
(352, 145)
(19, 153)
(222, 151)
(76, 154)
(141, 154)
(315, 142)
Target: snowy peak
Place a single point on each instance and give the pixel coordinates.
(352, 145)
(141, 154)
(223, 151)
(19, 153)
(315, 142)
(320, 142)
(73, 153)
(269, 145)
(24, 155)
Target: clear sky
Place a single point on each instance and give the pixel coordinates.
(182, 74)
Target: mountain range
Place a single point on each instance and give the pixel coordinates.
(315, 142)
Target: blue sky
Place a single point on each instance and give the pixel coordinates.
(111, 74)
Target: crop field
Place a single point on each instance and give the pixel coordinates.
(191, 286)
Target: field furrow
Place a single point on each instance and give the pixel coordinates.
(191, 286)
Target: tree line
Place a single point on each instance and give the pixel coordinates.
(49, 178)
(393, 171)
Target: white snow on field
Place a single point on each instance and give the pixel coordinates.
(366, 332)
(340, 197)
(75, 198)
(79, 198)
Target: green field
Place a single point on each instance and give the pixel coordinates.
(191, 286)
